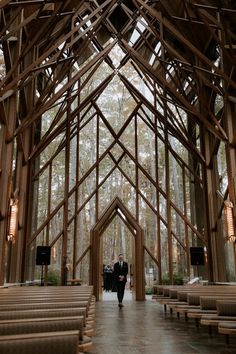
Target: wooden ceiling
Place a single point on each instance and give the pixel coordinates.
(186, 48)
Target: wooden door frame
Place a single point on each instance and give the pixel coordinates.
(95, 259)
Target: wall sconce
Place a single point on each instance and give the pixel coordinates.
(229, 219)
(54, 253)
(11, 235)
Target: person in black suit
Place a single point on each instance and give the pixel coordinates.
(120, 275)
(108, 275)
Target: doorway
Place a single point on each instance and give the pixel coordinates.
(117, 239)
(117, 208)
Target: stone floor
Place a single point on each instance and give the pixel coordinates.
(142, 327)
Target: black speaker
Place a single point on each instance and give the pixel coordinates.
(197, 255)
(43, 255)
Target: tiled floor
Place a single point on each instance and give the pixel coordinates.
(142, 327)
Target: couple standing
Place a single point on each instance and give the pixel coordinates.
(120, 275)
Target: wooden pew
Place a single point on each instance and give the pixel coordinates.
(40, 343)
(52, 324)
(227, 328)
(208, 305)
(47, 313)
(226, 311)
(26, 304)
(186, 300)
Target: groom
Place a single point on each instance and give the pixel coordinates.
(120, 275)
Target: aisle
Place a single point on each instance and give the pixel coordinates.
(141, 327)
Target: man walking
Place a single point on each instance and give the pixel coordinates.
(120, 274)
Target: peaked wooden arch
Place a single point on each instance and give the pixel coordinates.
(136, 230)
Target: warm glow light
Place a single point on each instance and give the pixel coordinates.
(229, 218)
(13, 223)
(54, 252)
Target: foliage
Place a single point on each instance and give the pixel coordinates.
(149, 290)
(177, 279)
(165, 279)
(54, 277)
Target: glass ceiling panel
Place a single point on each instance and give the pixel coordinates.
(140, 28)
(50, 150)
(116, 55)
(105, 137)
(93, 82)
(138, 82)
(105, 167)
(128, 138)
(116, 103)
(116, 151)
(146, 148)
(128, 166)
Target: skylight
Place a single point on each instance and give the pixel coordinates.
(140, 28)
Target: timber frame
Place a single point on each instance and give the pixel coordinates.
(184, 53)
(96, 234)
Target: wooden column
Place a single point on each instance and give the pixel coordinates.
(216, 264)
(76, 219)
(66, 195)
(24, 170)
(5, 182)
(158, 221)
(9, 107)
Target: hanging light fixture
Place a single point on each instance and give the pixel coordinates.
(229, 219)
(11, 235)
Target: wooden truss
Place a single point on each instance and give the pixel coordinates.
(183, 51)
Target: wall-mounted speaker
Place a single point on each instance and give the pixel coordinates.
(197, 256)
(43, 255)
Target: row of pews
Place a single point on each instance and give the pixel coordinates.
(208, 305)
(48, 320)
